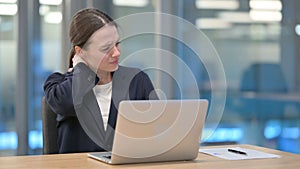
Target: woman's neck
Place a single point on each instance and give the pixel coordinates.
(105, 77)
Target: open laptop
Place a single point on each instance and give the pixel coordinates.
(155, 131)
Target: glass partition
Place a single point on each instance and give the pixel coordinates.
(8, 55)
(255, 42)
(49, 44)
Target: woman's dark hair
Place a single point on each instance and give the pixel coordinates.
(84, 23)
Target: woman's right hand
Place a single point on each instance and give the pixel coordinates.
(78, 59)
(91, 61)
(75, 60)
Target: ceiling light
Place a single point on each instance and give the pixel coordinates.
(235, 17)
(50, 2)
(53, 17)
(44, 9)
(297, 29)
(266, 16)
(8, 1)
(266, 5)
(8, 9)
(217, 4)
(132, 3)
(212, 23)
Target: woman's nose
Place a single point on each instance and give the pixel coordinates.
(116, 51)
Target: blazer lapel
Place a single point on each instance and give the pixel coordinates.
(90, 118)
(121, 83)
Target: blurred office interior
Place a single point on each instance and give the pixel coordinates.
(257, 41)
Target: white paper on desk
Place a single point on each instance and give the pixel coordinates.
(251, 154)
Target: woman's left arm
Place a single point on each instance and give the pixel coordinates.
(143, 87)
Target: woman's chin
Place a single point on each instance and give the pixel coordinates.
(110, 69)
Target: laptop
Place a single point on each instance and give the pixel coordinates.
(156, 131)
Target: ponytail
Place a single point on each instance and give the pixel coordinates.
(71, 55)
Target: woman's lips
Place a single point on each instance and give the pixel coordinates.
(114, 62)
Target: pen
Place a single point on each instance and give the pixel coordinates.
(237, 151)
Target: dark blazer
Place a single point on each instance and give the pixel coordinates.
(79, 119)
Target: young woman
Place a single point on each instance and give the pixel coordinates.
(86, 97)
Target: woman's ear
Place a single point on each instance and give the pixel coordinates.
(77, 50)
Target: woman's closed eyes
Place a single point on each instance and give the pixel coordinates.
(107, 48)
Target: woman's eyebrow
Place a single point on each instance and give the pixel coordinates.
(107, 44)
(110, 43)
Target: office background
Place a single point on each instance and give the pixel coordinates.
(257, 42)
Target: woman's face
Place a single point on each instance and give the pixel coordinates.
(103, 49)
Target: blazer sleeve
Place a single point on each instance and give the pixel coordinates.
(64, 91)
(141, 88)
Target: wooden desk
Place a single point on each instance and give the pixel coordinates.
(80, 160)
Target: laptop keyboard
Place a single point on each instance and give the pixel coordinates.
(107, 156)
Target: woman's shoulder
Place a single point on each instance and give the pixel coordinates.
(56, 75)
(128, 69)
(129, 72)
